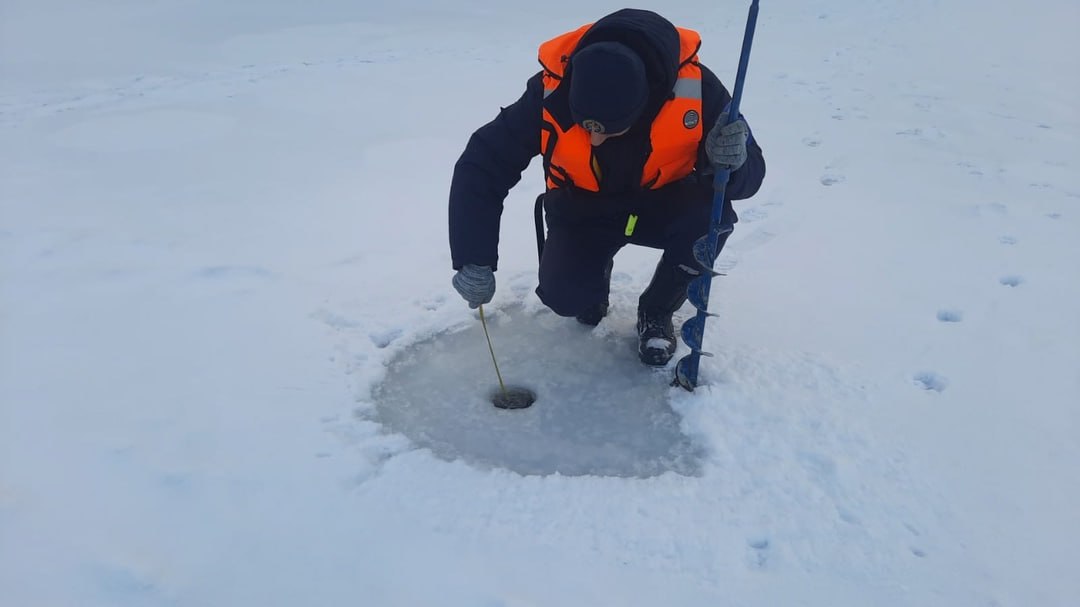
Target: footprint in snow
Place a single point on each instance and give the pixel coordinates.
(822, 467)
(1007, 240)
(989, 209)
(334, 320)
(811, 142)
(914, 531)
(848, 517)
(432, 304)
(759, 212)
(947, 315)
(757, 556)
(382, 339)
(734, 250)
(753, 214)
(831, 179)
(930, 381)
(120, 583)
(1011, 280)
(972, 169)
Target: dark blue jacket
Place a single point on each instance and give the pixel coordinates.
(499, 151)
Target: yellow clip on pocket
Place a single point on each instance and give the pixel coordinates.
(631, 222)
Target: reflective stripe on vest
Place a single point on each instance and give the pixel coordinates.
(674, 135)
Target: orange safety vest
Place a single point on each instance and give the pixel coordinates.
(675, 135)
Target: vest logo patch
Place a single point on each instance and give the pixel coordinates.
(690, 119)
(593, 126)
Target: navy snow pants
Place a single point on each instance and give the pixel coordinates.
(586, 230)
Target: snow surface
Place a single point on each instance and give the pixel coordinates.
(233, 370)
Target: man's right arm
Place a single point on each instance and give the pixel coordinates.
(492, 163)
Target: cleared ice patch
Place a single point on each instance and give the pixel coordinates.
(598, 410)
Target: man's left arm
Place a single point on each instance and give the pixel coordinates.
(744, 181)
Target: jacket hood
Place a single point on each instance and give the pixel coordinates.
(653, 38)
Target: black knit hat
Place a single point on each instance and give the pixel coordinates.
(608, 88)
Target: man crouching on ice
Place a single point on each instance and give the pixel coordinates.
(617, 113)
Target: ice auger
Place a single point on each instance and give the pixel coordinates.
(705, 249)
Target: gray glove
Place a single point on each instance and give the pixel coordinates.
(475, 283)
(726, 143)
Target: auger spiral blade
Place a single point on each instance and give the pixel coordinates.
(693, 333)
(703, 253)
(697, 292)
(686, 371)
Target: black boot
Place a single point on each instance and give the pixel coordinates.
(656, 333)
(656, 338)
(595, 313)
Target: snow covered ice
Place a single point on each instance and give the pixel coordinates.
(233, 370)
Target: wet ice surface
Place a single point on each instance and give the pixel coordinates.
(598, 410)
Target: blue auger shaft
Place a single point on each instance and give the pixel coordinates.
(686, 371)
